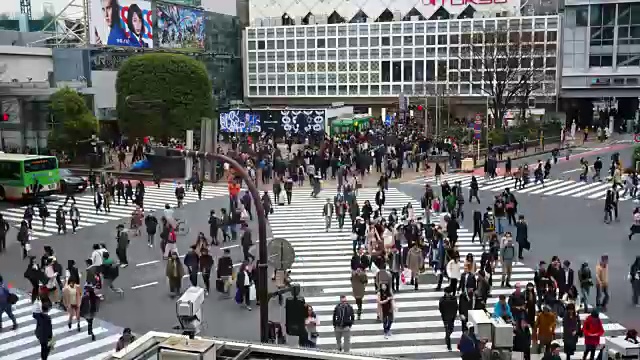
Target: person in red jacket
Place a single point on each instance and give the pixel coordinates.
(592, 330)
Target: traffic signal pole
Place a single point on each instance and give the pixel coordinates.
(262, 290)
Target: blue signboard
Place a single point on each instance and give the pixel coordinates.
(477, 127)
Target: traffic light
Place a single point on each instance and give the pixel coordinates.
(420, 108)
(5, 117)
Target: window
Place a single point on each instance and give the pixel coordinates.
(10, 170)
(321, 43)
(582, 16)
(600, 60)
(386, 71)
(419, 70)
(397, 71)
(261, 45)
(628, 60)
(40, 165)
(386, 41)
(408, 71)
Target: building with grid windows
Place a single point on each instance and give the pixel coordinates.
(370, 53)
(601, 58)
(372, 63)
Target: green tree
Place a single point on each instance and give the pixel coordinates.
(162, 95)
(74, 120)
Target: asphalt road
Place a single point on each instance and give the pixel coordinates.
(573, 229)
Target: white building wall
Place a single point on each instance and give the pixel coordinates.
(22, 63)
(103, 87)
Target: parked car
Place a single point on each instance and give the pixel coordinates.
(69, 182)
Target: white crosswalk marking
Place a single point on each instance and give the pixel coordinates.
(154, 199)
(323, 268)
(70, 344)
(551, 187)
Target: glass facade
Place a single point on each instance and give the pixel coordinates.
(223, 56)
(386, 59)
(613, 33)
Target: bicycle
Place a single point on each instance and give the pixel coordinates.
(181, 227)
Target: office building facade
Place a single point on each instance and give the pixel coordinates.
(601, 58)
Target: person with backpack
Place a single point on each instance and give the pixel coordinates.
(110, 273)
(89, 305)
(7, 300)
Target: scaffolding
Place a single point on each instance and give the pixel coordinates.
(69, 26)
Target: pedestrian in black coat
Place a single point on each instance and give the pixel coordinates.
(522, 236)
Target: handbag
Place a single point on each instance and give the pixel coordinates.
(220, 285)
(238, 296)
(252, 293)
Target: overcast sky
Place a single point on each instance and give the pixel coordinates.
(13, 6)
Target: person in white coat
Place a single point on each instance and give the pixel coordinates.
(453, 272)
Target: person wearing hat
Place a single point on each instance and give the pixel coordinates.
(125, 340)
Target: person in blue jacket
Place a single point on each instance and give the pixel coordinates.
(502, 309)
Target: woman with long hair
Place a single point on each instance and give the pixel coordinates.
(135, 23)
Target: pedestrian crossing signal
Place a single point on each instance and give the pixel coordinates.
(5, 117)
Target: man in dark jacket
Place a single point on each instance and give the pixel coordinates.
(247, 242)
(191, 262)
(44, 330)
(448, 309)
(214, 225)
(342, 319)
(122, 238)
(225, 270)
(4, 229)
(151, 223)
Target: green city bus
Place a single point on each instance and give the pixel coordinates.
(24, 176)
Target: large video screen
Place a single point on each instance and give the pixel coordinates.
(240, 121)
(180, 27)
(121, 23)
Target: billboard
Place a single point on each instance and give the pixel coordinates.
(302, 121)
(180, 27)
(121, 23)
(240, 121)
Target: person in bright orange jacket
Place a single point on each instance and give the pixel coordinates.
(592, 330)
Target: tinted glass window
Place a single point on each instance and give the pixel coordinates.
(40, 165)
(10, 170)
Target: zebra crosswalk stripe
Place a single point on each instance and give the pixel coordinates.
(70, 344)
(551, 187)
(322, 269)
(154, 199)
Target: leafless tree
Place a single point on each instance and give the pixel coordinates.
(507, 67)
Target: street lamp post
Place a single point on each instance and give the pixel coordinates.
(262, 289)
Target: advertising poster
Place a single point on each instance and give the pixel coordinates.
(121, 23)
(302, 121)
(240, 121)
(180, 27)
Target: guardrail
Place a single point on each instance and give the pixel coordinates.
(532, 145)
(143, 176)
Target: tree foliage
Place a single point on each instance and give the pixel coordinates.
(509, 66)
(74, 120)
(162, 95)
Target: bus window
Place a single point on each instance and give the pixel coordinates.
(10, 170)
(40, 165)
